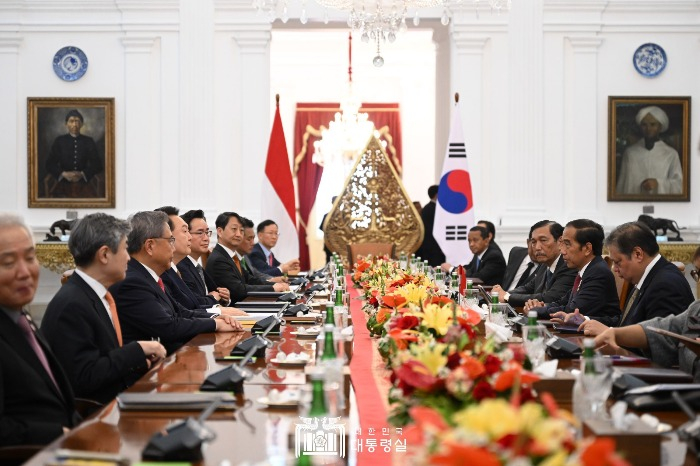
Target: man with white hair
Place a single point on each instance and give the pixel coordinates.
(650, 166)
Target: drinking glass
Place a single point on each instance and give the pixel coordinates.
(440, 279)
(533, 341)
(403, 261)
(596, 386)
(497, 314)
(471, 297)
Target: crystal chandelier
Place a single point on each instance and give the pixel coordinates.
(378, 21)
(348, 133)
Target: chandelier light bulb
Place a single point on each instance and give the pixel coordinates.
(445, 19)
(285, 15)
(402, 26)
(325, 16)
(391, 37)
(416, 19)
(378, 61)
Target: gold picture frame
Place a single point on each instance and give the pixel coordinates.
(70, 170)
(652, 166)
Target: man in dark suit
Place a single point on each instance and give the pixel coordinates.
(224, 263)
(488, 264)
(81, 322)
(146, 310)
(193, 274)
(659, 290)
(262, 257)
(594, 293)
(245, 247)
(36, 401)
(430, 249)
(552, 279)
(73, 159)
(491, 228)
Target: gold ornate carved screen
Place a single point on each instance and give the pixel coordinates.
(373, 207)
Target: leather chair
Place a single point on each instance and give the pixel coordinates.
(365, 249)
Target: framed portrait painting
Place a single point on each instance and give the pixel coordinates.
(649, 149)
(70, 149)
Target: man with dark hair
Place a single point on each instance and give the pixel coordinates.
(552, 280)
(81, 322)
(36, 400)
(262, 257)
(488, 264)
(659, 288)
(224, 264)
(244, 248)
(73, 159)
(193, 274)
(430, 249)
(172, 277)
(147, 310)
(594, 293)
(491, 228)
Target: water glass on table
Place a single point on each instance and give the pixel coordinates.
(596, 385)
(533, 342)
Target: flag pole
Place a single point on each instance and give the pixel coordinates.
(277, 100)
(456, 97)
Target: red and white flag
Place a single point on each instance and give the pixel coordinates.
(278, 200)
(454, 212)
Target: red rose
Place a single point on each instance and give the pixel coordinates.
(483, 390)
(405, 322)
(492, 364)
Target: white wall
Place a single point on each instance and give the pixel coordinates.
(193, 83)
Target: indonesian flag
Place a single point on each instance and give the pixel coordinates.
(454, 212)
(278, 202)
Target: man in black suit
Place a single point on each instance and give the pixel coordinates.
(594, 293)
(262, 257)
(659, 290)
(73, 160)
(430, 249)
(224, 263)
(552, 279)
(488, 264)
(491, 228)
(193, 274)
(245, 247)
(36, 400)
(81, 322)
(146, 309)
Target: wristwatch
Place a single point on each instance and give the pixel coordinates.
(506, 296)
(214, 316)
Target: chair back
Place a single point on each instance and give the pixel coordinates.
(365, 249)
(66, 275)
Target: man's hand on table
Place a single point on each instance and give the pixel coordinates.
(228, 324)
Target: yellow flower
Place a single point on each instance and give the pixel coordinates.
(557, 459)
(413, 293)
(437, 318)
(531, 415)
(550, 434)
(431, 356)
(492, 418)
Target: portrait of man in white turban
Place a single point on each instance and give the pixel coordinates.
(650, 166)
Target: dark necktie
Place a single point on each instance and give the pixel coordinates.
(630, 304)
(200, 271)
(549, 278)
(478, 263)
(526, 274)
(161, 284)
(26, 328)
(577, 283)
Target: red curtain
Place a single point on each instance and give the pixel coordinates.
(310, 117)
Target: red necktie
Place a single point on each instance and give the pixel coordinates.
(26, 328)
(161, 284)
(115, 317)
(577, 283)
(272, 264)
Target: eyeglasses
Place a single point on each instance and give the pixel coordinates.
(201, 232)
(170, 240)
(272, 233)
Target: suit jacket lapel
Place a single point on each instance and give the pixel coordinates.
(97, 306)
(160, 295)
(229, 261)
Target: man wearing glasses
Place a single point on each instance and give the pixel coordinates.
(193, 274)
(146, 310)
(262, 257)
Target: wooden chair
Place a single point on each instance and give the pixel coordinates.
(364, 249)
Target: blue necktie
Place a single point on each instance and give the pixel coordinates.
(478, 263)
